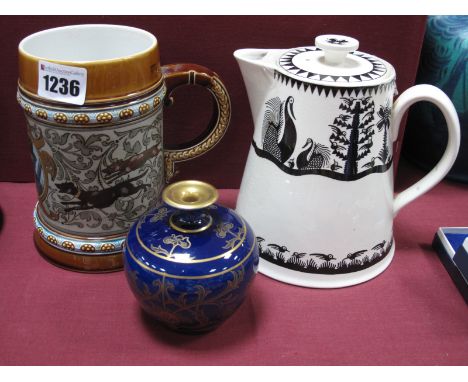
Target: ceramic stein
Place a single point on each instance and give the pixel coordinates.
(190, 262)
(93, 96)
(318, 183)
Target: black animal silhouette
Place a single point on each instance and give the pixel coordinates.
(297, 255)
(335, 166)
(340, 135)
(337, 147)
(336, 41)
(379, 246)
(99, 198)
(279, 130)
(313, 156)
(367, 145)
(323, 256)
(355, 255)
(280, 249)
(370, 164)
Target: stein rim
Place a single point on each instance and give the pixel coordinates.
(24, 41)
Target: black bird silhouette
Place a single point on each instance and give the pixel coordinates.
(340, 134)
(337, 147)
(279, 130)
(323, 256)
(335, 166)
(354, 255)
(379, 246)
(315, 155)
(272, 121)
(336, 41)
(298, 255)
(281, 249)
(370, 164)
(288, 134)
(344, 117)
(367, 146)
(367, 130)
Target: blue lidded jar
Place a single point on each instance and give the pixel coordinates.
(189, 262)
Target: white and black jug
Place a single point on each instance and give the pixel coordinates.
(318, 183)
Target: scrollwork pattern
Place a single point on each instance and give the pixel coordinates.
(189, 309)
(174, 241)
(225, 228)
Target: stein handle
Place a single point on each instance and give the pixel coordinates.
(191, 74)
(439, 98)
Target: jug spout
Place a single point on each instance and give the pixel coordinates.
(257, 68)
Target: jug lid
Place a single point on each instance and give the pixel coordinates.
(189, 236)
(335, 61)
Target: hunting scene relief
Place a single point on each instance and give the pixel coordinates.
(101, 180)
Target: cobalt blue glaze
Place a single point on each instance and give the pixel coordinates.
(190, 281)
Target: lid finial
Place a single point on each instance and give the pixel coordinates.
(190, 195)
(336, 47)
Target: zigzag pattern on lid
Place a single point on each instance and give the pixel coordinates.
(333, 90)
(377, 71)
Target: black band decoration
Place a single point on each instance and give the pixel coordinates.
(334, 90)
(324, 263)
(324, 172)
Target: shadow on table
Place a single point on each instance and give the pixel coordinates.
(243, 324)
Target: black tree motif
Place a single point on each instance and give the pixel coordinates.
(351, 139)
(384, 113)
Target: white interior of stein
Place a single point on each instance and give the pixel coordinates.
(81, 43)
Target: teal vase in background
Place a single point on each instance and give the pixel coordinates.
(443, 64)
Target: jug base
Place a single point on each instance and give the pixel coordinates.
(324, 281)
(80, 263)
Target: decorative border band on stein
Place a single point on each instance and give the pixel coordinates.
(93, 116)
(88, 247)
(324, 263)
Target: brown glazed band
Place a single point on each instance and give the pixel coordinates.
(97, 104)
(112, 79)
(80, 263)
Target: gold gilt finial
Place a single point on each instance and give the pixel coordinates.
(190, 195)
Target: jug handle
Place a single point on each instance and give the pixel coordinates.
(177, 75)
(439, 98)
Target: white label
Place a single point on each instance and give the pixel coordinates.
(62, 83)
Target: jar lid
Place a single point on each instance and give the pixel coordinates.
(190, 236)
(120, 61)
(335, 61)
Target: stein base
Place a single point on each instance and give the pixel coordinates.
(78, 263)
(313, 280)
